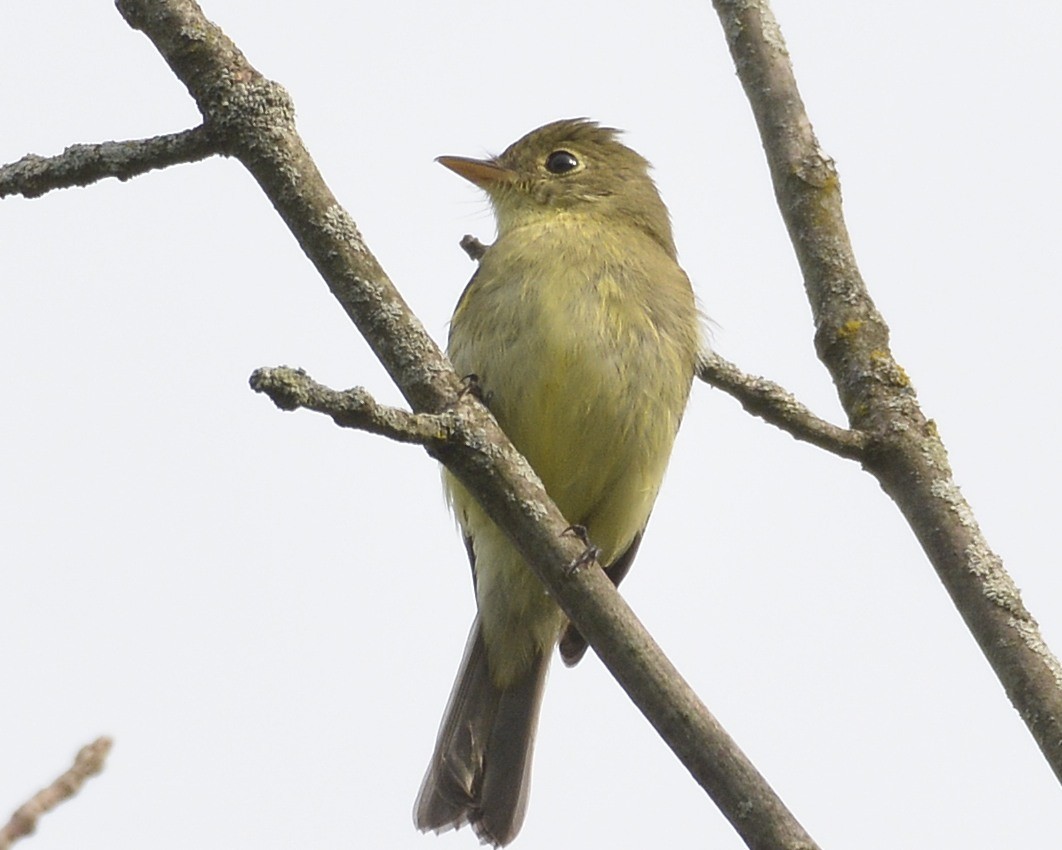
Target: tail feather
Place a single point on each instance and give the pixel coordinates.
(480, 770)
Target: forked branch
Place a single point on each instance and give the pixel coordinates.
(903, 449)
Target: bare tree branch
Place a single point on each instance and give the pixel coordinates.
(256, 118)
(776, 405)
(903, 451)
(81, 165)
(291, 389)
(473, 247)
(88, 762)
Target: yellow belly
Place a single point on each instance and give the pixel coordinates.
(588, 377)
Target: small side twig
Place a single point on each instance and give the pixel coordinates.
(81, 165)
(473, 247)
(291, 389)
(87, 763)
(777, 406)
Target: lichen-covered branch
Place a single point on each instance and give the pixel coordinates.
(256, 118)
(81, 165)
(88, 762)
(903, 449)
(291, 389)
(667, 700)
(777, 406)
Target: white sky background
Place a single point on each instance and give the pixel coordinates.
(267, 612)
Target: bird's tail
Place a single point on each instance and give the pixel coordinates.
(481, 767)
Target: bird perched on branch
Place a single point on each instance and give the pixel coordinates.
(583, 334)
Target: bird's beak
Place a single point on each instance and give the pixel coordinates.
(485, 173)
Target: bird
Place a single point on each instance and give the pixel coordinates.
(582, 334)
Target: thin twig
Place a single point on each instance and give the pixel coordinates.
(88, 762)
(81, 165)
(291, 389)
(777, 406)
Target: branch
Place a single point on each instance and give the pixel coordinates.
(777, 406)
(256, 118)
(519, 504)
(903, 450)
(81, 165)
(473, 247)
(88, 762)
(291, 389)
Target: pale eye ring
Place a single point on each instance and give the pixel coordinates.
(561, 162)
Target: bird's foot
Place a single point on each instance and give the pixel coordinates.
(589, 555)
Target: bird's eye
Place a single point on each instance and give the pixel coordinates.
(561, 162)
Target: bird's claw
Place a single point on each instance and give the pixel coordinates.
(590, 553)
(470, 385)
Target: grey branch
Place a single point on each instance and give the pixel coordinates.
(88, 762)
(777, 406)
(291, 389)
(81, 165)
(903, 450)
(254, 120)
(257, 119)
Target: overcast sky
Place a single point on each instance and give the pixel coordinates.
(266, 612)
